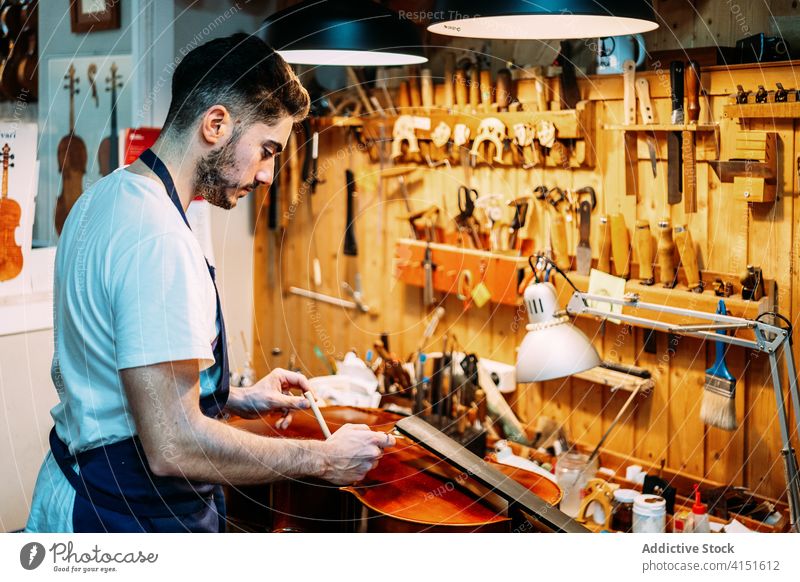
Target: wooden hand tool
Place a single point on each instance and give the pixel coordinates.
(628, 92)
(486, 90)
(558, 229)
(403, 96)
(583, 252)
(688, 255)
(666, 254)
(449, 70)
(503, 96)
(520, 206)
(426, 82)
(643, 241)
(475, 86)
(692, 86)
(646, 110)
(620, 246)
(350, 244)
(674, 138)
(604, 254)
(460, 87)
(413, 88)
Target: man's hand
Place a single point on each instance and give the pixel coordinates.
(272, 392)
(352, 452)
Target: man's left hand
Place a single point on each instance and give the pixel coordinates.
(272, 392)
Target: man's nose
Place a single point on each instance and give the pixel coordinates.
(266, 173)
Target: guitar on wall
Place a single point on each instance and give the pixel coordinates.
(72, 158)
(10, 214)
(108, 153)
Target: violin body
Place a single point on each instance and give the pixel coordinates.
(411, 490)
(10, 251)
(72, 160)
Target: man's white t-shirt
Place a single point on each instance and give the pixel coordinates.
(131, 289)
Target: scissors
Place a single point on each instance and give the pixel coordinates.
(466, 204)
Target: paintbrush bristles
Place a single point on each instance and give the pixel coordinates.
(719, 410)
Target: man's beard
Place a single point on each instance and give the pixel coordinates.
(210, 180)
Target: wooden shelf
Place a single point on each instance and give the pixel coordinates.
(616, 380)
(662, 127)
(450, 261)
(787, 110)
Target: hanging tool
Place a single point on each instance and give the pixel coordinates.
(628, 92)
(272, 222)
(583, 253)
(428, 298)
(692, 86)
(667, 272)
(604, 254)
(465, 219)
(350, 244)
(643, 241)
(646, 110)
(620, 246)
(688, 255)
(520, 206)
(558, 228)
(503, 95)
(674, 138)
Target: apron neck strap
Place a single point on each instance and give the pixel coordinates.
(152, 161)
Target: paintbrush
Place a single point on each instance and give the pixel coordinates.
(719, 393)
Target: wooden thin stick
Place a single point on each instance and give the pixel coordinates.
(322, 424)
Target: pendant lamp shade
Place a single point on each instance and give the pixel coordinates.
(352, 33)
(553, 347)
(542, 19)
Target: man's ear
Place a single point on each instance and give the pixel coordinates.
(215, 124)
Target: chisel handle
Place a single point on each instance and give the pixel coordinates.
(449, 66)
(643, 241)
(620, 246)
(666, 253)
(558, 236)
(692, 86)
(460, 85)
(688, 255)
(604, 253)
(475, 86)
(503, 90)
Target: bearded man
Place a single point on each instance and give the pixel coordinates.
(140, 362)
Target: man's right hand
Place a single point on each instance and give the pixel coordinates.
(353, 451)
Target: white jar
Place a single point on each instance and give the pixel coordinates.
(649, 514)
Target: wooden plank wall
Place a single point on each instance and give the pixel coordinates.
(667, 426)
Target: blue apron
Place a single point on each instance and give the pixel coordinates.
(116, 490)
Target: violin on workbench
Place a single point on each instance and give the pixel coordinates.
(72, 159)
(10, 214)
(410, 490)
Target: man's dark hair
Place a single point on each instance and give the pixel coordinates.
(241, 72)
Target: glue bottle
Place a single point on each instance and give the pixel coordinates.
(698, 520)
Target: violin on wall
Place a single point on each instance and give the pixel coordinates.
(72, 158)
(10, 214)
(108, 153)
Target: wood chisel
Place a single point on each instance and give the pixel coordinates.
(426, 82)
(666, 254)
(449, 71)
(413, 88)
(620, 246)
(503, 96)
(520, 206)
(643, 241)
(475, 86)
(558, 230)
(486, 90)
(628, 92)
(646, 110)
(692, 86)
(688, 255)
(674, 138)
(583, 252)
(350, 244)
(604, 253)
(460, 87)
(428, 297)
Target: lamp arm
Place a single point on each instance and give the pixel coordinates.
(579, 304)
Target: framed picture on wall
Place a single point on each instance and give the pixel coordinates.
(94, 15)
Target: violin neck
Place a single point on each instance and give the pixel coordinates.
(113, 143)
(5, 184)
(71, 109)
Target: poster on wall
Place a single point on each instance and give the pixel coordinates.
(89, 103)
(19, 173)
